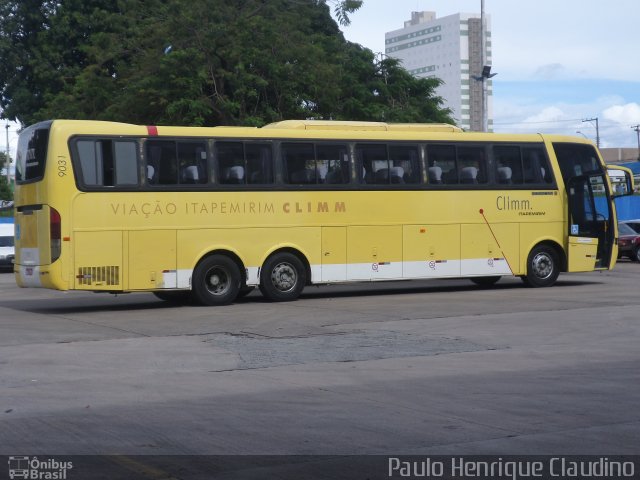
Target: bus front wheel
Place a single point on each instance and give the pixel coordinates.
(216, 280)
(282, 277)
(543, 267)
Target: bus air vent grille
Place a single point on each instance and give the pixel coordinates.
(109, 275)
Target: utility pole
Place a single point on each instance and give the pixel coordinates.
(637, 129)
(595, 119)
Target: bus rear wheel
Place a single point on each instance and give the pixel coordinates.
(543, 267)
(282, 277)
(216, 280)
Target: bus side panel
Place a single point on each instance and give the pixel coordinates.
(583, 253)
(490, 250)
(374, 252)
(105, 274)
(431, 251)
(152, 260)
(334, 254)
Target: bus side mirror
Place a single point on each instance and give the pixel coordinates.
(621, 179)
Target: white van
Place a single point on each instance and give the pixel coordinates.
(7, 248)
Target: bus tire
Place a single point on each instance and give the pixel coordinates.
(216, 280)
(486, 281)
(282, 277)
(543, 267)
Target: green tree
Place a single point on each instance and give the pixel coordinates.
(5, 190)
(198, 62)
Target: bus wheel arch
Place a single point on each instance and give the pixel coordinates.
(218, 278)
(284, 274)
(544, 263)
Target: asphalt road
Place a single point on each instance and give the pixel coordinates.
(439, 367)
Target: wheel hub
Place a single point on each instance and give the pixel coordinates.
(542, 266)
(284, 277)
(217, 282)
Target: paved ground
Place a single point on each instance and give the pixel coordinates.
(396, 368)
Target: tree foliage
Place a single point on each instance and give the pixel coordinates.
(198, 62)
(5, 191)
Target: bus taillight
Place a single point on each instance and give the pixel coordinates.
(55, 233)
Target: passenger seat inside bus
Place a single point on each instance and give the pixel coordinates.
(389, 175)
(435, 175)
(233, 175)
(504, 175)
(469, 175)
(306, 176)
(190, 174)
(334, 177)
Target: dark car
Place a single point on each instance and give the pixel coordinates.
(634, 224)
(628, 242)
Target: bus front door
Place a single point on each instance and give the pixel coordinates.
(590, 224)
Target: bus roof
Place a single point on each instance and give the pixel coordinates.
(362, 126)
(322, 129)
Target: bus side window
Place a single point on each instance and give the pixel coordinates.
(535, 166)
(405, 165)
(259, 163)
(508, 165)
(372, 163)
(90, 161)
(192, 162)
(442, 164)
(241, 163)
(332, 164)
(472, 165)
(161, 156)
(107, 163)
(126, 162)
(299, 163)
(230, 157)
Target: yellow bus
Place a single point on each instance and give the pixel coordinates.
(211, 213)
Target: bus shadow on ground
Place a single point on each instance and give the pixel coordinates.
(146, 301)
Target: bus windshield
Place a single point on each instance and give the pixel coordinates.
(576, 160)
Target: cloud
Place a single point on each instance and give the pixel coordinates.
(623, 114)
(552, 71)
(548, 114)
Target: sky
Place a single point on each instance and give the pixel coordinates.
(558, 61)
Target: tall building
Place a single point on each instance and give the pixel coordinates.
(449, 48)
